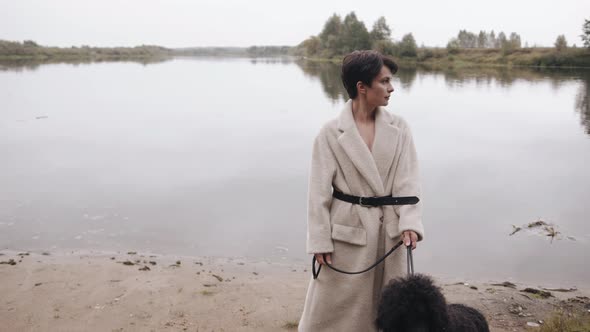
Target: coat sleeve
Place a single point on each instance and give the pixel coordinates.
(323, 170)
(407, 183)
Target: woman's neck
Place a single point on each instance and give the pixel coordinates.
(362, 112)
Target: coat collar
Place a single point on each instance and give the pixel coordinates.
(373, 166)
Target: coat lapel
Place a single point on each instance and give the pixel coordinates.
(353, 145)
(385, 144)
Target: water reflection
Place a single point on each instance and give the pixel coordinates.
(329, 76)
(583, 102)
(21, 65)
(502, 76)
(407, 76)
(272, 61)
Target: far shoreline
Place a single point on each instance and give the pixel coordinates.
(429, 57)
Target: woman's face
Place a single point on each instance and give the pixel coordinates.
(381, 88)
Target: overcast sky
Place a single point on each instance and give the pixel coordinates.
(179, 23)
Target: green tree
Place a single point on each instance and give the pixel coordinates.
(408, 46)
(586, 33)
(332, 27)
(482, 40)
(331, 35)
(560, 43)
(30, 43)
(355, 35)
(492, 42)
(501, 41)
(381, 30)
(508, 45)
(514, 41)
(453, 46)
(467, 39)
(311, 46)
(386, 47)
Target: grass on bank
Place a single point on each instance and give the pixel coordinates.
(522, 57)
(29, 50)
(535, 57)
(291, 325)
(563, 322)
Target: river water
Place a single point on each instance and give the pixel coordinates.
(210, 156)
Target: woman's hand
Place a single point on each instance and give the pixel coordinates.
(320, 258)
(409, 237)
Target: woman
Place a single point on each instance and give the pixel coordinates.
(365, 152)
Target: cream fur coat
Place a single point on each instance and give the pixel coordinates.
(355, 235)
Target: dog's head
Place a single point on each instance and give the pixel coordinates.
(412, 303)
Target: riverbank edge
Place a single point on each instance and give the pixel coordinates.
(118, 291)
(532, 58)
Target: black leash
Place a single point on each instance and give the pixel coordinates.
(370, 202)
(316, 273)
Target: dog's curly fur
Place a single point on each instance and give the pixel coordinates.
(414, 303)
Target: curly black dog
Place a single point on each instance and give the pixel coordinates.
(414, 303)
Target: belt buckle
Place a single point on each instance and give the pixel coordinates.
(361, 203)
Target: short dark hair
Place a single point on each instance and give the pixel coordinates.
(363, 66)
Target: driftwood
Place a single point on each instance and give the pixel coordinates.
(538, 292)
(505, 284)
(542, 228)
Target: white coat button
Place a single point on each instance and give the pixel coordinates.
(381, 218)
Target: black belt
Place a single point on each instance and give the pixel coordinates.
(375, 201)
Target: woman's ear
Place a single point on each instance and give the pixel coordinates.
(361, 88)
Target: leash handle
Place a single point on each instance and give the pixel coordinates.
(410, 261)
(315, 272)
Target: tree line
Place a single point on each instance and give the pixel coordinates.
(32, 50)
(29, 49)
(466, 39)
(340, 36)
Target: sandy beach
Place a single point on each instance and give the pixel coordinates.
(128, 291)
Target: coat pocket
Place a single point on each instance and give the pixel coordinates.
(352, 235)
